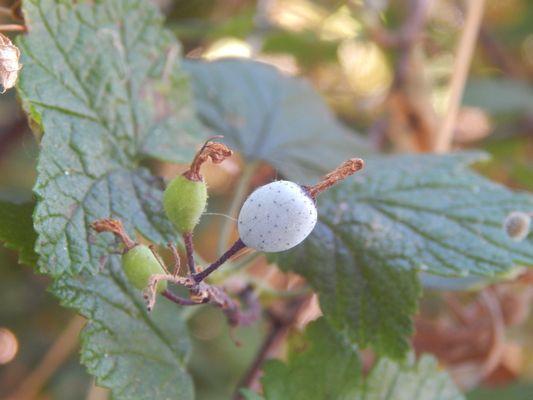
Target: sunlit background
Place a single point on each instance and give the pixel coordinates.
(342, 48)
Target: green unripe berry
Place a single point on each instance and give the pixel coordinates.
(139, 265)
(184, 202)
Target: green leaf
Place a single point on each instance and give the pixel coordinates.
(268, 116)
(320, 366)
(422, 380)
(121, 341)
(16, 230)
(105, 83)
(138, 355)
(400, 215)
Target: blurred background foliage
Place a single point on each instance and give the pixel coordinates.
(344, 49)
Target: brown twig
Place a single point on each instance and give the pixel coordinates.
(115, 227)
(277, 331)
(463, 59)
(346, 169)
(279, 325)
(407, 103)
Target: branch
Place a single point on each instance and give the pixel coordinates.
(463, 60)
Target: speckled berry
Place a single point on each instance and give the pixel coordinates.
(517, 225)
(139, 264)
(277, 217)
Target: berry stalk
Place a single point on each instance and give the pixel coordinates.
(237, 246)
(343, 171)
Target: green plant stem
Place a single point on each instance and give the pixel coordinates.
(240, 194)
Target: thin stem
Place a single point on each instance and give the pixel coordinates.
(237, 246)
(177, 299)
(238, 198)
(158, 258)
(12, 28)
(344, 170)
(277, 330)
(233, 267)
(115, 227)
(463, 60)
(175, 258)
(189, 248)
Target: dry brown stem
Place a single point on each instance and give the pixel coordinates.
(343, 171)
(114, 226)
(217, 152)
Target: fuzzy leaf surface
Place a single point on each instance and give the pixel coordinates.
(103, 80)
(422, 380)
(323, 365)
(269, 116)
(401, 215)
(138, 355)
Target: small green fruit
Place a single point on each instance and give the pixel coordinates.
(184, 201)
(140, 264)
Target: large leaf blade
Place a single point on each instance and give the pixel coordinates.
(320, 366)
(138, 355)
(105, 83)
(323, 365)
(421, 380)
(404, 214)
(269, 116)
